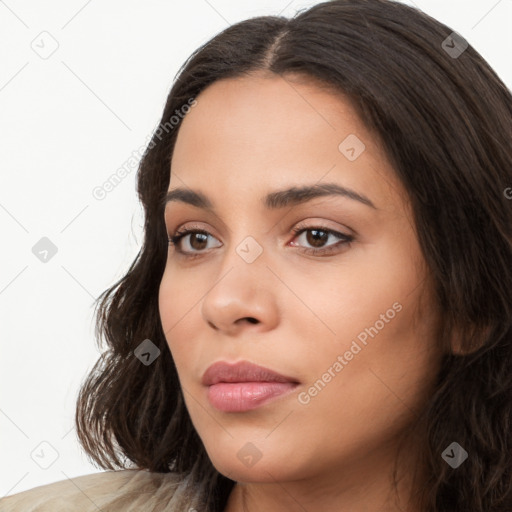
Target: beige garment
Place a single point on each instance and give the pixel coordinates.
(127, 490)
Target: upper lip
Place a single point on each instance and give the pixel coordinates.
(243, 371)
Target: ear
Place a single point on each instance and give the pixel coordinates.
(458, 348)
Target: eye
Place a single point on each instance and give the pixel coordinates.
(317, 236)
(196, 240)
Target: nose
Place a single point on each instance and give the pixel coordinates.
(243, 297)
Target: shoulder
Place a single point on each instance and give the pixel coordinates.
(110, 491)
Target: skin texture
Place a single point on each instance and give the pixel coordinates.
(245, 138)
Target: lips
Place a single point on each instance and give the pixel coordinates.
(243, 371)
(244, 386)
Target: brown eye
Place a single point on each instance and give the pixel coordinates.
(197, 241)
(317, 237)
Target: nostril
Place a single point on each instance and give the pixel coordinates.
(252, 320)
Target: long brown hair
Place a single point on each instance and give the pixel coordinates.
(445, 121)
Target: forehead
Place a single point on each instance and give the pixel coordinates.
(257, 133)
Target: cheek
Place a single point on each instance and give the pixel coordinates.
(179, 294)
(367, 286)
(365, 399)
(369, 317)
(178, 302)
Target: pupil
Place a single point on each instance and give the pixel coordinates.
(315, 238)
(194, 237)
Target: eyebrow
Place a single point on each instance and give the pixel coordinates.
(274, 200)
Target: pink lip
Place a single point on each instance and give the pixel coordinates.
(244, 386)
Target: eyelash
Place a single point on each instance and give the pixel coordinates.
(345, 240)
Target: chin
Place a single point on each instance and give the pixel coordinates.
(245, 461)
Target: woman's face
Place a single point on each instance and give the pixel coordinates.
(345, 323)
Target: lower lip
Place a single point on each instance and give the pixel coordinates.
(244, 396)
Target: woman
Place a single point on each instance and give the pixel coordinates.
(320, 315)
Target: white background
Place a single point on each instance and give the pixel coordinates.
(67, 123)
